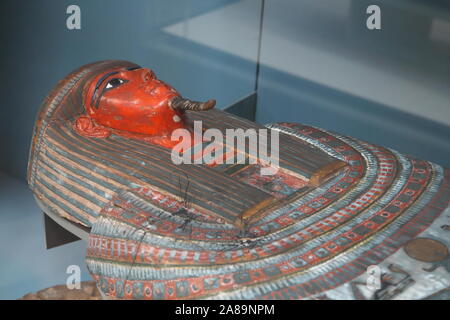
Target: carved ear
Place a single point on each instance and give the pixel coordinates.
(85, 126)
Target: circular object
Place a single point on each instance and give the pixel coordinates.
(426, 250)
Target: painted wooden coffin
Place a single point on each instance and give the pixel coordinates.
(340, 218)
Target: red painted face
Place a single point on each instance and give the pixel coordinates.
(132, 100)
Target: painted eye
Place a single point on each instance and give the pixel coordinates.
(113, 83)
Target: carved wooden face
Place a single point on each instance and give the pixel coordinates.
(132, 100)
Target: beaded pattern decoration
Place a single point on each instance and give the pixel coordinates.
(148, 245)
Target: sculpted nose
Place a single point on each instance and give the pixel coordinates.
(147, 74)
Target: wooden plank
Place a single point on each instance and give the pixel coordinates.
(150, 165)
(295, 155)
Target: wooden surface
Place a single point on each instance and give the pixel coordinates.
(88, 291)
(78, 175)
(298, 157)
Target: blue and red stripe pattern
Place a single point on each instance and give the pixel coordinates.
(141, 247)
(166, 231)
